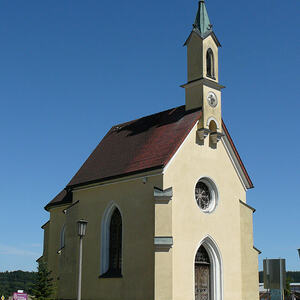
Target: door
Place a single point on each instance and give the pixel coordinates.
(202, 281)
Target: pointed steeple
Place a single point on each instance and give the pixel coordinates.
(202, 22)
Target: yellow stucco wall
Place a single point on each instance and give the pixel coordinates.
(46, 227)
(249, 258)
(136, 202)
(211, 113)
(196, 57)
(163, 257)
(68, 259)
(191, 225)
(57, 221)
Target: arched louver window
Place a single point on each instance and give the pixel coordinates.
(210, 71)
(115, 244)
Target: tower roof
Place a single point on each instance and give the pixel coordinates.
(202, 22)
(202, 26)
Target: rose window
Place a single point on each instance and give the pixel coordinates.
(206, 195)
(203, 196)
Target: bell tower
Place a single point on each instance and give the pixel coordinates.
(203, 89)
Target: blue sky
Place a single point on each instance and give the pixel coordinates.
(71, 69)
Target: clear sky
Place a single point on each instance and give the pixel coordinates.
(71, 69)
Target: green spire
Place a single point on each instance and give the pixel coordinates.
(202, 22)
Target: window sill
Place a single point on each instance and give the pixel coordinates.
(111, 275)
(211, 77)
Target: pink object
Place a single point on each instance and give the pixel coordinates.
(20, 296)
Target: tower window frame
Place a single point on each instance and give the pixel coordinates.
(210, 64)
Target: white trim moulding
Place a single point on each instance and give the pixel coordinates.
(235, 163)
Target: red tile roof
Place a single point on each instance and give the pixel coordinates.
(137, 146)
(144, 144)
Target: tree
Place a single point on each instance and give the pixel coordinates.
(43, 287)
(15, 280)
(287, 290)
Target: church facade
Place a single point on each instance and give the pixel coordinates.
(165, 201)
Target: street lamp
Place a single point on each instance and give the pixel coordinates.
(81, 232)
(299, 252)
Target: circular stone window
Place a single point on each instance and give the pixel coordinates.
(206, 195)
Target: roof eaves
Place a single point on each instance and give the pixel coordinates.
(70, 187)
(248, 206)
(40, 259)
(44, 225)
(203, 36)
(197, 32)
(259, 252)
(215, 39)
(66, 199)
(245, 173)
(51, 205)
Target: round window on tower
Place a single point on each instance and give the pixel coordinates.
(206, 194)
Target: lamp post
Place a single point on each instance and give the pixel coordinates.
(299, 252)
(81, 233)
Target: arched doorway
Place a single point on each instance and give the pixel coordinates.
(208, 271)
(202, 275)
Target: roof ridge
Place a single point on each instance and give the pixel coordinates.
(160, 112)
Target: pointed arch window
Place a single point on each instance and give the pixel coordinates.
(115, 244)
(111, 243)
(210, 64)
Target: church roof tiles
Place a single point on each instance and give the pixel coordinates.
(140, 145)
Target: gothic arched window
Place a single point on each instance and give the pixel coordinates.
(115, 244)
(210, 70)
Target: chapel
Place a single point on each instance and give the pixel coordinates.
(165, 201)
